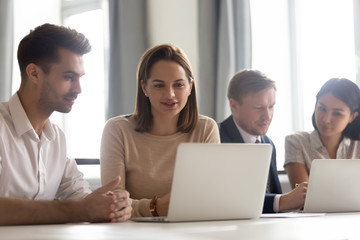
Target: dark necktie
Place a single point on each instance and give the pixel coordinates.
(268, 185)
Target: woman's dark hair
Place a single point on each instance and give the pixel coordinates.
(348, 92)
(189, 114)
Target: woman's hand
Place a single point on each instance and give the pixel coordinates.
(162, 205)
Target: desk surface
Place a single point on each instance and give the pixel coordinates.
(329, 226)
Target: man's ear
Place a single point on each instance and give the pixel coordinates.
(233, 104)
(34, 73)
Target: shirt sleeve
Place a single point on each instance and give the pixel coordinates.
(73, 186)
(112, 162)
(212, 134)
(1, 152)
(276, 203)
(141, 208)
(112, 155)
(293, 150)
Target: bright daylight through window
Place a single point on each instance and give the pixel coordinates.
(291, 43)
(300, 45)
(84, 124)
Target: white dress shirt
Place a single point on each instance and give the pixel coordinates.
(248, 138)
(34, 167)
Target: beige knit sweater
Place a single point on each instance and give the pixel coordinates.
(145, 162)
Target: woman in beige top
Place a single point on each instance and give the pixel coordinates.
(141, 147)
(337, 130)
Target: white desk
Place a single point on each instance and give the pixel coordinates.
(331, 226)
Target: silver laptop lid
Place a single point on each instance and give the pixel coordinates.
(219, 181)
(333, 186)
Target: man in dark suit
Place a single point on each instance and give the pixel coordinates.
(252, 98)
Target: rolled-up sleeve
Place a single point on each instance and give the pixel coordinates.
(73, 186)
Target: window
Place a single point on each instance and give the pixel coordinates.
(28, 16)
(84, 124)
(300, 45)
(326, 47)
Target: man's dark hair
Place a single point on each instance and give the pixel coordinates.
(41, 46)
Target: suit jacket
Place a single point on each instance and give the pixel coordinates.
(229, 133)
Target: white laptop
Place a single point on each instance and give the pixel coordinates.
(217, 182)
(333, 186)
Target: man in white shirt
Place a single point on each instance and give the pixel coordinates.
(252, 98)
(33, 161)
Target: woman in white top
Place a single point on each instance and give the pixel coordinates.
(337, 130)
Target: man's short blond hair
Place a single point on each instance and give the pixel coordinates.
(248, 81)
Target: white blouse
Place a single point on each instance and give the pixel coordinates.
(304, 147)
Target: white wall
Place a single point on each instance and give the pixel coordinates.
(174, 21)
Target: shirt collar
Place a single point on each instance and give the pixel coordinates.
(21, 121)
(316, 141)
(248, 138)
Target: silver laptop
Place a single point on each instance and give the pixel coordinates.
(217, 182)
(333, 186)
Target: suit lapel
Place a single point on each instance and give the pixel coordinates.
(232, 131)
